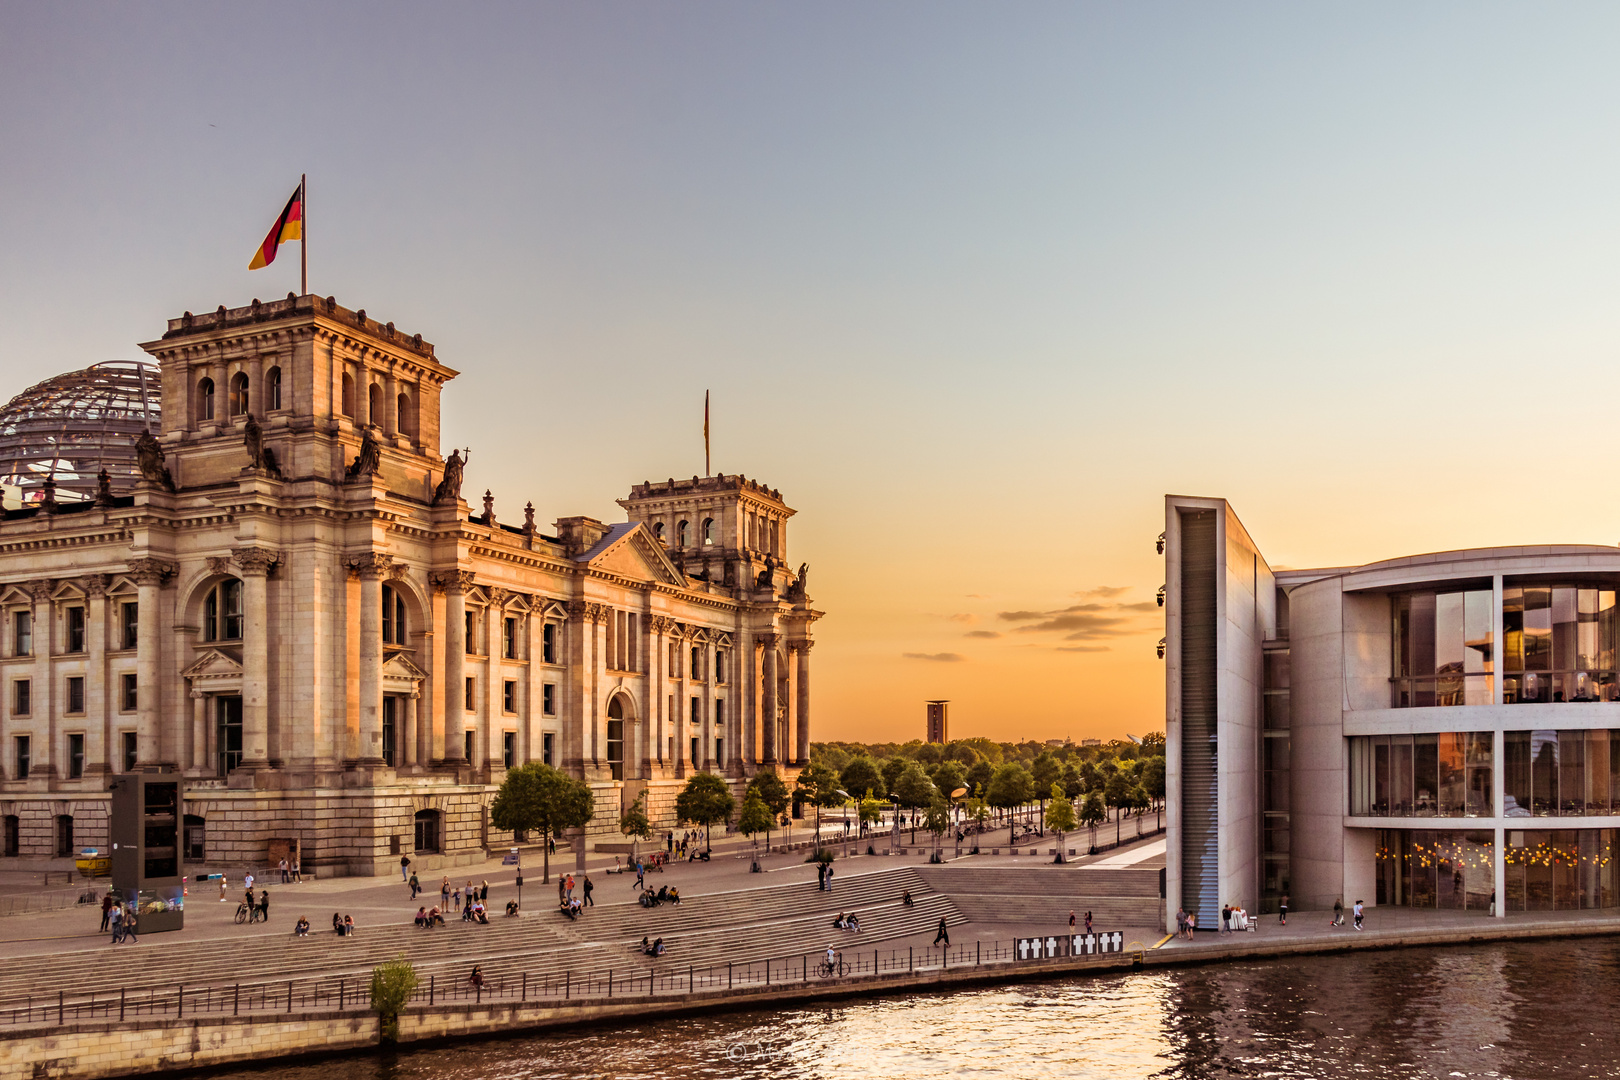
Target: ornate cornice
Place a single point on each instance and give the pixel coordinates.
(370, 565)
(453, 581)
(41, 590)
(150, 571)
(499, 596)
(256, 562)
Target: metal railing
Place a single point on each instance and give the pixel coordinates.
(669, 977)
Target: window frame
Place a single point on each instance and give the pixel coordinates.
(22, 632)
(74, 687)
(129, 624)
(509, 697)
(77, 629)
(75, 755)
(22, 697)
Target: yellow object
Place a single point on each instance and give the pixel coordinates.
(93, 865)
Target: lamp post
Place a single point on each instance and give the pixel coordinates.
(845, 796)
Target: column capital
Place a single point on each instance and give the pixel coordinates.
(41, 590)
(499, 596)
(661, 624)
(452, 581)
(95, 585)
(256, 562)
(150, 571)
(769, 639)
(371, 565)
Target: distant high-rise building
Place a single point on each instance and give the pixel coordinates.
(938, 729)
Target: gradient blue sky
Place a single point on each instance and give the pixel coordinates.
(974, 285)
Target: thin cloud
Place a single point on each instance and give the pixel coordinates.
(982, 634)
(1105, 592)
(936, 657)
(1085, 648)
(1143, 606)
(958, 617)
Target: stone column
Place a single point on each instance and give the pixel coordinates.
(42, 699)
(256, 564)
(455, 584)
(770, 706)
(98, 709)
(408, 748)
(148, 574)
(657, 668)
(199, 732)
(390, 420)
(220, 372)
(801, 715)
(371, 567)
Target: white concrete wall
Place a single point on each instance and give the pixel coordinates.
(1247, 609)
(1317, 758)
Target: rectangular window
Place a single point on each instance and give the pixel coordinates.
(22, 633)
(509, 639)
(719, 715)
(467, 746)
(390, 728)
(674, 659)
(548, 643)
(547, 754)
(509, 749)
(720, 751)
(21, 749)
(75, 629)
(509, 696)
(1444, 774)
(127, 698)
(75, 694)
(11, 844)
(697, 762)
(1559, 643)
(129, 751)
(1443, 649)
(548, 699)
(472, 632)
(75, 756)
(697, 710)
(697, 663)
(720, 656)
(22, 698)
(129, 616)
(632, 659)
(471, 696)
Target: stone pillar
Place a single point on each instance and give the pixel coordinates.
(455, 584)
(408, 747)
(390, 416)
(42, 704)
(199, 733)
(99, 711)
(657, 668)
(220, 372)
(371, 567)
(148, 574)
(770, 706)
(801, 713)
(256, 564)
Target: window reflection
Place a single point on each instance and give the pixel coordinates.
(1558, 644)
(1427, 869)
(1560, 773)
(1560, 869)
(1445, 774)
(1443, 649)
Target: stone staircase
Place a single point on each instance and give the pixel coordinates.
(1044, 895)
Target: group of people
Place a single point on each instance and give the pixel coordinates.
(664, 895)
(427, 919)
(1071, 922)
(120, 917)
(290, 872)
(455, 899)
(1186, 923)
(654, 947)
(1236, 918)
(1359, 910)
(824, 876)
(342, 925)
(258, 910)
(850, 921)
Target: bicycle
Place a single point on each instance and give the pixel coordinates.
(830, 968)
(243, 913)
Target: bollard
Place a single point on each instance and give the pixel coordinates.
(120, 1003)
(911, 958)
(690, 980)
(525, 996)
(59, 997)
(610, 982)
(289, 995)
(804, 968)
(430, 988)
(236, 1000)
(568, 977)
(342, 986)
(728, 974)
(978, 960)
(180, 1002)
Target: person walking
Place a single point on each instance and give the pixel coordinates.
(404, 868)
(106, 910)
(282, 866)
(416, 886)
(223, 885)
(117, 918)
(829, 877)
(130, 926)
(264, 905)
(1338, 912)
(1071, 920)
(561, 899)
(1192, 923)
(1226, 918)
(298, 870)
(1358, 912)
(821, 877)
(1284, 909)
(589, 888)
(483, 891)
(1088, 924)
(1181, 922)
(444, 894)
(943, 935)
(669, 842)
(569, 890)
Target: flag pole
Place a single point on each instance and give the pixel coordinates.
(303, 234)
(706, 433)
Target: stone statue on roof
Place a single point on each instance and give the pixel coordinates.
(449, 489)
(149, 459)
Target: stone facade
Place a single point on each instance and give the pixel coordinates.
(296, 610)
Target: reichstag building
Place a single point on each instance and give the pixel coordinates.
(251, 565)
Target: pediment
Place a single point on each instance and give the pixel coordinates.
(400, 666)
(213, 664)
(634, 554)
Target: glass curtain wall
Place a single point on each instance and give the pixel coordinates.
(1430, 869)
(1443, 649)
(1560, 869)
(1443, 774)
(1558, 644)
(1561, 773)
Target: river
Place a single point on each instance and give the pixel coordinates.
(1535, 1011)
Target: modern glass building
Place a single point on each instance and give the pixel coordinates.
(1437, 731)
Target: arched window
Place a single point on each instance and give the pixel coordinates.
(393, 616)
(272, 389)
(708, 530)
(374, 405)
(658, 531)
(615, 737)
(239, 393)
(205, 399)
(680, 535)
(222, 611)
(348, 395)
(407, 417)
(427, 832)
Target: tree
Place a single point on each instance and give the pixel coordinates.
(392, 984)
(860, 776)
(937, 820)
(1117, 791)
(1073, 785)
(1010, 786)
(1092, 814)
(755, 818)
(1045, 771)
(1060, 816)
(915, 791)
(871, 810)
(819, 787)
(705, 801)
(1153, 778)
(948, 776)
(536, 797)
(979, 774)
(891, 770)
(773, 793)
(634, 824)
(1153, 743)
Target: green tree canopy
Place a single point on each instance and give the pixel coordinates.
(979, 774)
(756, 817)
(948, 776)
(914, 790)
(1092, 811)
(1010, 786)
(539, 798)
(860, 776)
(1046, 771)
(770, 789)
(705, 801)
(818, 786)
(392, 984)
(1073, 785)
(633, 822)
(1060, 815)
(1153, 778)
(1153, 742)
(891, 770)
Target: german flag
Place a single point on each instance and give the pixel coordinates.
(289, 226)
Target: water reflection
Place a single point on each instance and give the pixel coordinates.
(1531, 1011)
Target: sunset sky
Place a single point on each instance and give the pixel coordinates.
(974, 285)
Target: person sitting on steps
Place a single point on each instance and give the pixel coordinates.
(302, 927)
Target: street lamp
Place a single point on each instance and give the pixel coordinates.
(956, 806)
(846, 797)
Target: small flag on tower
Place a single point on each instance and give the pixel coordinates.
(289, 226)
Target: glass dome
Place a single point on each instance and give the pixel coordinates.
(70, 427)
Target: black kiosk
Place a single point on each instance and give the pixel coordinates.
(147, 864)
